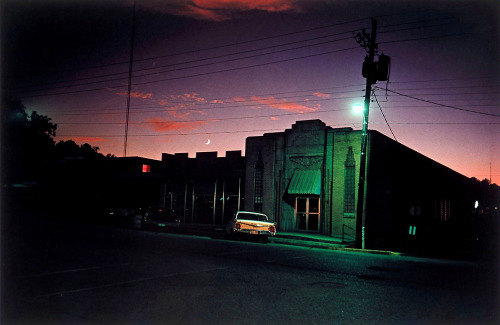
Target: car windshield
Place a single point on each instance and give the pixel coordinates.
(251, 216)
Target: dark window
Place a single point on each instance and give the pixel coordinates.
(258, 184)
(349, 184)
(442, 210)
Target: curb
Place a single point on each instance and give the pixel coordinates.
(330, 246)
(310, 242)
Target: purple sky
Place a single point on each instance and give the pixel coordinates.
(223, 70)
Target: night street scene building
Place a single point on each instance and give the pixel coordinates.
(203, 190)
(306, 180)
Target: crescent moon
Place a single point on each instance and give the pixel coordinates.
(208, 141)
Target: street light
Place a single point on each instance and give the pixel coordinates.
(358, 108)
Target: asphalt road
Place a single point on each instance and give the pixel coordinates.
(85, 274)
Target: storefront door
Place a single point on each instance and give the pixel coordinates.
(307, 213)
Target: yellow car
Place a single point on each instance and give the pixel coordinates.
(250, 224)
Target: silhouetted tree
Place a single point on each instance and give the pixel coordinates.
(69, 149)
(488, 195)
(28, 145)
(27, 141)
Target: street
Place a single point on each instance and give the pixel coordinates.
(72, 273)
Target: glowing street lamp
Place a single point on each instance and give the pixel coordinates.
(358, 109)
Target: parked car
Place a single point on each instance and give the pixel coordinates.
(250, 224)
(121, 217)
(159, 217)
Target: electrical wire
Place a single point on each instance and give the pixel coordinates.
(387, 122)
(200, 74)
(194, 61)
(438, 104)
(204, 59)
(210, 119)
(262, 103)
(190, 106)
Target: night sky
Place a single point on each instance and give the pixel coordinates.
(209, 73)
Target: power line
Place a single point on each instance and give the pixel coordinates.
(220, 56)
(444, 79)
(53, 108)
(387, 122)
(439, 104)
(210, 119)
(202, 74)
(226, 45)
(448, 87)
(230, 100)
(263, 103)
(440, 19)
(194, 61)
(173, 134)
(127, 116)
(421, 38)
(264, 130)
(237, 68)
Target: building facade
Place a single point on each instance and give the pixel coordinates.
(204, 190)
(306, 180)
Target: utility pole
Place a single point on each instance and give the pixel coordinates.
(370, 73)
(129, 83)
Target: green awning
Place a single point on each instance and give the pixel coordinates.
(305, 182)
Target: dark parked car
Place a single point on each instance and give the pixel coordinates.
(159, 217)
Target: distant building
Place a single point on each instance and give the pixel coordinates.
(129, 182)
(203, 190)
(306, 180)
(125, 182)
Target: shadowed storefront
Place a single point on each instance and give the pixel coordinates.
(203, 190)
(306, 180)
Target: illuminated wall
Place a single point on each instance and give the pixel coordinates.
(404, 189)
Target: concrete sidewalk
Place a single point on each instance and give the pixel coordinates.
(304, 239)
(313, 240)
(309, 240)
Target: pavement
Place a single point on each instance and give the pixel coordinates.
(304, 239)
(314, 240)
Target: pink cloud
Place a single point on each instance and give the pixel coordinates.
(181, 106)
(218, 10)
(136, 95)
(321, 95)
(245, 5)
(160, 125)
(239, 99)
(182, 100)
(284, 105)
